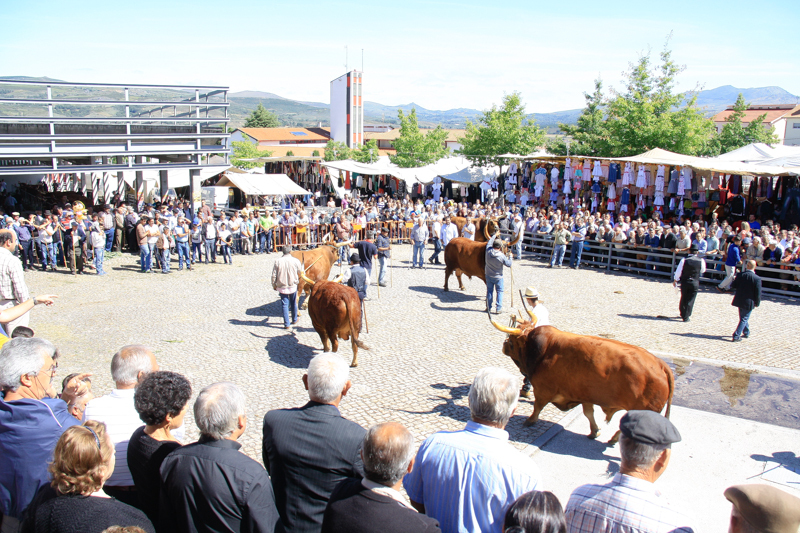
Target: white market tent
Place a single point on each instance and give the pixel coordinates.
(457, 169)
(657, 156)
(262, 184)
(759, 152)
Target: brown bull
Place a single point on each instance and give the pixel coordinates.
(483, 227)
(335, 312)
(464, 256)
(568, 370)
(318, 263)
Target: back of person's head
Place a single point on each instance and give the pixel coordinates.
(6, 235)
(355, 258)
(160, 394)
(217, 410)
(535, 512)
(287, 249)
(327, 376)
(129, 362)
(761, 508)
(82, 460)
(387, 451)
(22, 331)
(22, 357)
(493, 396)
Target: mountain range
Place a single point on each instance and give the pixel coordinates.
(303, 113)
(300, 113)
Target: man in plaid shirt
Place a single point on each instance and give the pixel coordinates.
(631, 503)
(13, 289)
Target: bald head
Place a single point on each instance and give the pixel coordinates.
(387, 453)
(750, 265)
(130, 364)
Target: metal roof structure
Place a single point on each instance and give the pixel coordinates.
(60, 127)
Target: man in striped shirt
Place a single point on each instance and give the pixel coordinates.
(467, 479)
(631, 503)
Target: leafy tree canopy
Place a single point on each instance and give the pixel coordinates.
(261, 117)
(247, 150)
(734, 134)
(499, 131)
(366, 153)
(336, 151)
(417, 149)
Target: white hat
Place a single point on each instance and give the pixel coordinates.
(531, 292)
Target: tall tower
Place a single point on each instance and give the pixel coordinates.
(347, 109)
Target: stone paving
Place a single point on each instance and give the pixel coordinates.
(221, 322)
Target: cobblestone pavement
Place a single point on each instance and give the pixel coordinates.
(221, 322)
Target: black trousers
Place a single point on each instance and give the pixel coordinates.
(688, 295)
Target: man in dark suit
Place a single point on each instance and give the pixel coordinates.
(748, 296)
(688, 273)
(374, 504)
(309, 450)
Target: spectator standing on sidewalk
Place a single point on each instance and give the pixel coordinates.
(384, 252)
(748, 296)
(578, 240)
(419, 236)
(561, 237)
(733, 259)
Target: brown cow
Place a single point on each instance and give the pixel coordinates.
(464, 256)
(569, 370)
(483, 227)
(318, 263)
(335, 311)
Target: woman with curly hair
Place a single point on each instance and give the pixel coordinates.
(82, 462)
(161, 399)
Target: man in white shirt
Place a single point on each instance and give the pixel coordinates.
(116, 409)
(449, 231)
(285, 277)
(468, 231)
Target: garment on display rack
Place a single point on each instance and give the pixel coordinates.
(613, 172)
(611, 205)
(597, 171)
(640, 202)
(554, 177)
(660, 180)
(594, 203)
(604, 169)
(611, 194)
(587, 170)
(627, 175)
(596, 186)
(659, 199)
(674, 178)
(567, 186)
(641, 180)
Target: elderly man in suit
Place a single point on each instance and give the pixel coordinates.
(748, 296)
(309, 450)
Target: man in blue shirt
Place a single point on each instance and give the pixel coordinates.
(467, 479)
(495, 260)
(383, 245)
(734, 258)
(31, 421)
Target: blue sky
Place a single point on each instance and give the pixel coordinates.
(438, 54)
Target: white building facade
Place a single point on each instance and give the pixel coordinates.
(347, 109)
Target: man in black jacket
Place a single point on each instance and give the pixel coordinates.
(748, 296)
(210, 485)
(309, 450)
(688, 273)
(374, 504)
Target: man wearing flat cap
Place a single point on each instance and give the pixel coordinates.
(762, 509)
(631, 501)
(688, 273)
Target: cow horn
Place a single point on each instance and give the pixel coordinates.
(516, 239)
(327, 238)
(340, 244)
(505, 329)
(338, 279)
(486, 230)
(307, 279)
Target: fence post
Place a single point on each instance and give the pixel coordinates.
(610, 251)
(672, 267)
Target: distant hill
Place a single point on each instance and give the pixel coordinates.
(299, 113)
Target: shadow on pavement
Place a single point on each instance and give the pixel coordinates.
(650, 317)
(438, 307)
(448, 406)
(578, 445)
(726, 338)
(451, 296)
(287, 351)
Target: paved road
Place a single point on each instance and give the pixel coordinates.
(221, 322)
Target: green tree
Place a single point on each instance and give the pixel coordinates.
(289, 153)
(366, 153)
(499, 131)
(246, 150)
(261, 117)
(734, 134)
(315, 153)
(336, 151)
(649, 114)
(414, 148)
(589, 136)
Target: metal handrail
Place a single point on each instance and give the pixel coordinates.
(215, 88)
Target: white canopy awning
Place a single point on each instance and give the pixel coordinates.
(175, 178)
(451, 168)
(657, 156)
(262, 184)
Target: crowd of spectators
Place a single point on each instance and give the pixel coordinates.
(72, 462)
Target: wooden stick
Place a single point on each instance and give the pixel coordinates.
(364, 310)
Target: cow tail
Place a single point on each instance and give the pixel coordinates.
(671, 383)
(353, 331)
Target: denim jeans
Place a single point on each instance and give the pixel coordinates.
(419, 249)
(99, 253)
(558, 254)
(382, 270)
(197, 252)
(211, 249)
(226, 253)
(145, 258)
(492, 286)
(183, 254)
(289, 306)
(343, 254)
(575, 254)
(518, 249)
(164, 255)
(743, 329)
(270, 241)
(48, 253)
(437, 248)
(237, 243)
(109, 239)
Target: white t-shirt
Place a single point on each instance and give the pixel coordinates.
(542, 315)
